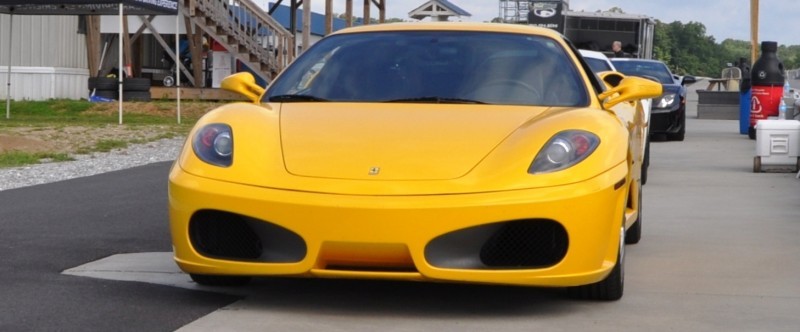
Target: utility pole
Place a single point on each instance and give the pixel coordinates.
(753, 31)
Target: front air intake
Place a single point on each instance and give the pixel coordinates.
(224, 235)
(525, 244)
(516, 244)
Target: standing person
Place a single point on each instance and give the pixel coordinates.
(618, 52)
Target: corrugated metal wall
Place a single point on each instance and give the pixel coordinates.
(48, 57)
(43, 41)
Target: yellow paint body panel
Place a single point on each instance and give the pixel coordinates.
(395, 229)
(372, 184)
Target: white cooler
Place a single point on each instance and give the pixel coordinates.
(777, 144)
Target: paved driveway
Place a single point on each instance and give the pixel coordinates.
(719, 251)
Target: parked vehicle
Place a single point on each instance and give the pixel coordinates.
(668, 112)
(460, 152)
(599, 63)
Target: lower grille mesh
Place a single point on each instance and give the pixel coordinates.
(525, 244)
(224, 235)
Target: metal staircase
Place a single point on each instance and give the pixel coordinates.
(246, 31)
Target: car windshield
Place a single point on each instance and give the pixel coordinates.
(657, 70)
(433, 67)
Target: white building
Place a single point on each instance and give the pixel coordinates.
(47, 57)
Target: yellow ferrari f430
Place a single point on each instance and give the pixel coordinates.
(454, 152)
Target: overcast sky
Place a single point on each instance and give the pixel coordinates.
(779, 19)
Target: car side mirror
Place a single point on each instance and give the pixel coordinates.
(688, 80)
(243, 83)
(630, 88)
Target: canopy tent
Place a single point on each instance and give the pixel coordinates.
(85, 7)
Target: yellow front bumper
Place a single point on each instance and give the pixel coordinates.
(395, 230)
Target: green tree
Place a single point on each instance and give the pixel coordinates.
(790, 56)
(686, 49)
(735, 49)
(662, 43)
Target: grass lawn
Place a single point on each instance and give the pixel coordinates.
(56, 130)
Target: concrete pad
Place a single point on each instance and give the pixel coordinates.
(149, 267)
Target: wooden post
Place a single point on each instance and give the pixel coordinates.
(306, 24)
(328, 17)
(753, 31)
(367, 5)
(348, 13)
(195, 38)
(93, 44)
(381, 9)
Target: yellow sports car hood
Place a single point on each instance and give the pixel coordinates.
(366, 141)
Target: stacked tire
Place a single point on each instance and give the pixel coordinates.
(133, 88)
(105, 87)
(136, 89)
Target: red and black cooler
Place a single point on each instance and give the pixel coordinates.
(767, 85)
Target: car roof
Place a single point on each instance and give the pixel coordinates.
(593, 54)
(596, 55)
(636, 60)
(454, 26)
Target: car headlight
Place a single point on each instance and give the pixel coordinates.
(666, 101)
(214, 144)
(564, 150)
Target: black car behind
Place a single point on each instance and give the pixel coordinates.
(668, 113)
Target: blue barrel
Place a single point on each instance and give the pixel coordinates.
(744, 96)
(744, 111)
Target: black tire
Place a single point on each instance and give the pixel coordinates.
(110, 94)
(751, 132)
(608, 289)
(103, 83)
(136, 96)
(679, 136)
(136, 84)
(215, 280)
(634, 233)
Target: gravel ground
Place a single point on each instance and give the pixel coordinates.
(95, 163)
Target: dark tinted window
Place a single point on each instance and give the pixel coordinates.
(654, 69)
(597, 65)
(434, 66)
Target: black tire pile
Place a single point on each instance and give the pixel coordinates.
(133, 88)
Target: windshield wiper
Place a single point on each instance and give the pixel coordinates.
(295, 98)
(438, 100)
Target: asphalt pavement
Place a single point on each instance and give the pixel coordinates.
(719, 252)
(46, 229)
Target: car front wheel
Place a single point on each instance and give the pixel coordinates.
(679, 136)
(610, 288)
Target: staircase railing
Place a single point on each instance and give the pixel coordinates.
(246, 31)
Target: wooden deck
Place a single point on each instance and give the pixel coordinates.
(158, 92)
